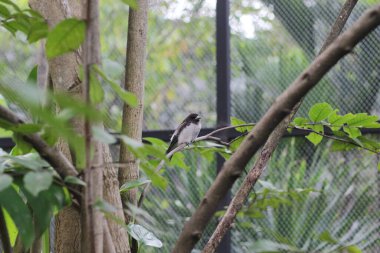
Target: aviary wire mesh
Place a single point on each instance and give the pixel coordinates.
(271, 43)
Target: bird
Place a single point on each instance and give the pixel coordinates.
(186, 132)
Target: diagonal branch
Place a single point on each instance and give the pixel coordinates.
(281, 108)
(51, 154)
(269, 147)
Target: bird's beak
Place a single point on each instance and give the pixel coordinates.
(198, 117)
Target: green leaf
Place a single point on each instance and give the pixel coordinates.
(157, 179)
(352, 132)
(369, 143)
(26, 128)
(32, 77)
(31, 161)
(178, 159)
(236, 143)
(11, 201)
(362, 120)
(320, 111)
(44, 205)
(300, 121)
(5, 181)
(144, 236)
(353, 249)
(21, 147)
(131, 3)
(134, 184)
(66, 36)
(35, 182)
(236, 122)
(74, 180)
(4, 12)
(326, 237)
(157, 142)
(11, 3)
(342, 146)
(37, 31)
(11, 227)
(314, 138)
(102, 135)
(128, 97)
(96, 91)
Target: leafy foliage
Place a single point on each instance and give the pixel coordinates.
(323, 121)
(28, 194)
(320, 220)
(66, 36)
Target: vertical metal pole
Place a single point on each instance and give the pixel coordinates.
(223, 97)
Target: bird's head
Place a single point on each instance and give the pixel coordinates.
(194, 117)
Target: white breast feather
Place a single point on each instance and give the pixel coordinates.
(189, 133)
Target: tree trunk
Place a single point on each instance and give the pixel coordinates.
(134, 82)
(64, 75)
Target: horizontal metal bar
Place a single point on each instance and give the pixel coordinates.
(7, 142)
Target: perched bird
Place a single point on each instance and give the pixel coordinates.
(186, 132)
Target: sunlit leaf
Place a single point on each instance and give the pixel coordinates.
(320, 111)
(144, 236)
(353, 249)
(17, 209)
(362, 120)
(327, 237)
(300, 121)
(314, 138)
(236, 122)
(353, 132)
(131, 3)
(66, 36)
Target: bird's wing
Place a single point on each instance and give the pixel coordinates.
(174, 138)
(178, 130)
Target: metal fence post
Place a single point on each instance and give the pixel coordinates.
(223, 98)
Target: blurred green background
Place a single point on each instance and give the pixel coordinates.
(310, 200)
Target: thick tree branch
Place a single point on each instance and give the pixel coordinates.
(271, 144)
(53, 156)
(282, 107)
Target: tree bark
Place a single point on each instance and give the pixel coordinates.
(134, 82)
(64, 75)
(92, 221)
(283, 105)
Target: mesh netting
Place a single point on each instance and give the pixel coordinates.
(271, 43)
